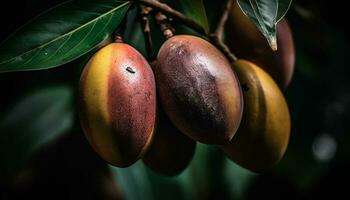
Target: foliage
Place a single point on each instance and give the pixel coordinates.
(61, 34)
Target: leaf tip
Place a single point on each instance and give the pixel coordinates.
(273, 44)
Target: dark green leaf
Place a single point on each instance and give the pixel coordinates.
(134, 34)
(283, 7)
(33, 123)
(266, 14)
(196, 11)
(61, 34)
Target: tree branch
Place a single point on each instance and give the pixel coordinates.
(164, 8)
(224, 49)
(221, 25)
(217, 36)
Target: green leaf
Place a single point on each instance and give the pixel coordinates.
(266, 14)
(61, 34)
(134, 34)
(195, 9)
(32, 123)
(283, 7)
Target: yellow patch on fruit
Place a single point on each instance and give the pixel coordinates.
(96, 82)
(263, 135)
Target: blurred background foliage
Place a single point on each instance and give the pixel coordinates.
(62, 165)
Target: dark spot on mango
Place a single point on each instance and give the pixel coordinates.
(131, 70)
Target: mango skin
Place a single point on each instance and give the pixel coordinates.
(117, 100)
(263, 135)
(247, 42)
(198, 89)
(171, 151)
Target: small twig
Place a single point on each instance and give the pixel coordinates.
(217, 36)
(164, 8)
(221, 25)
(118, 38)
(224, 49)
(144, 12)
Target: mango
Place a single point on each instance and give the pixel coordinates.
(171, 151)
(117, 104)
(198, 89)
(263, 135)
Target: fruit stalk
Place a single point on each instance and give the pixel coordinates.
(118, 38)
(216, 37)
(221, 25)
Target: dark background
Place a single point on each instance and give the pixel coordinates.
(316, 163)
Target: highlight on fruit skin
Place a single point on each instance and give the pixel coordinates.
(247, 42)
(118, 104)
(198, 89)
(263, 135)
(171, 151)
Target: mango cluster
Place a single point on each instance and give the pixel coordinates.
(130, 110)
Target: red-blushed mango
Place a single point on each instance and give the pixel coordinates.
(198, 89)
(171, 151)
(118, 104)
(247, 42)
(263, 136)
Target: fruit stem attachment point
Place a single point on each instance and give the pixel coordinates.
(118, 38)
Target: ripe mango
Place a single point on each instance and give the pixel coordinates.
(118, 104)
(262, 138)
(171, 151)
(198, 89)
